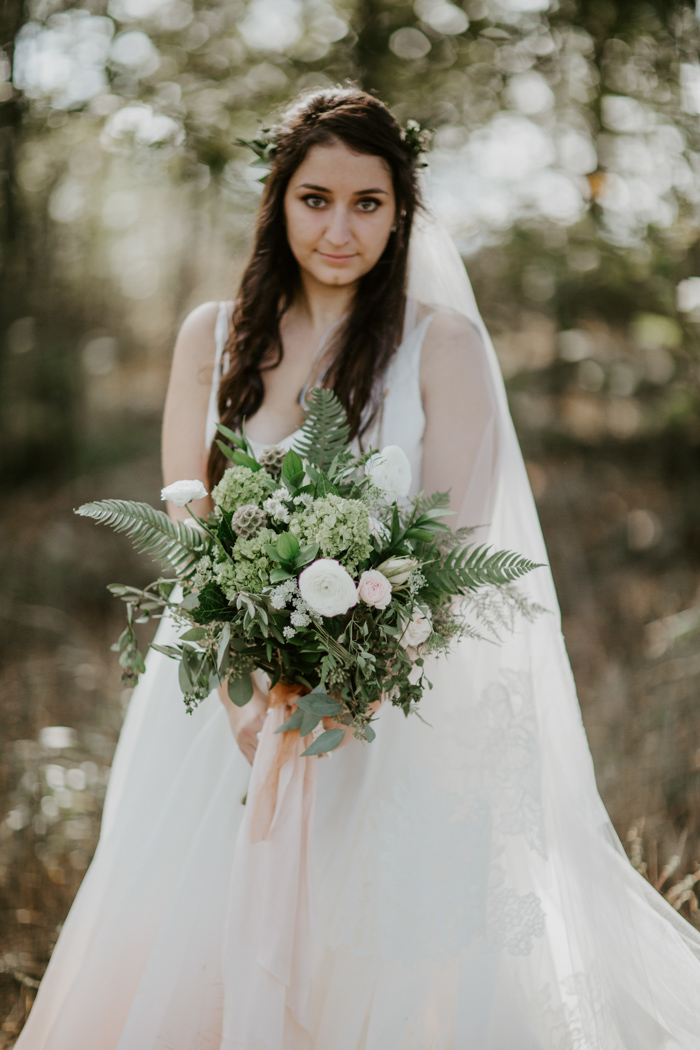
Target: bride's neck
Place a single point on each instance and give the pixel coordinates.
(322, 305)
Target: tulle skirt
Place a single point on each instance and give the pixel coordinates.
(468, 894)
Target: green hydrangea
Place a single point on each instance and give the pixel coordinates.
(240, 485)
(250, 569)
(340, 527)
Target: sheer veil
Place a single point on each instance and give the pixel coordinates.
(587, 953)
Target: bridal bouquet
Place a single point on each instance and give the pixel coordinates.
(317, 568)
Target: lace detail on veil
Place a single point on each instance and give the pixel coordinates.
(511, 758)
(429, 875)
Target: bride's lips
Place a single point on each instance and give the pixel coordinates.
(331, 258)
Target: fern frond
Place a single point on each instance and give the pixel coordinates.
(151, 531)
(325, 432)
(436, 499)
(480, 566)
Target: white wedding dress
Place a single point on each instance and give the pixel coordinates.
(470, 891)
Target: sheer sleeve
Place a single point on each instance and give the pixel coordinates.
(460, 446)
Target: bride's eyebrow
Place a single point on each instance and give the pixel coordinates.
(322, 189)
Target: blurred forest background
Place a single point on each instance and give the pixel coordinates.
(567, 166)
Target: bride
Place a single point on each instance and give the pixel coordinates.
(466, 889)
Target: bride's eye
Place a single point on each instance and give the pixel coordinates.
(368, 204)
(314, 201)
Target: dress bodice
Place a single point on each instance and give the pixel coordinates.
(400, 420)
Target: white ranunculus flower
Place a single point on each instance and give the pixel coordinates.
(390, 471)
(417, 629)
(182, 492)
(327, 588)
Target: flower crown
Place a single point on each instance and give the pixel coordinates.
(264, 145)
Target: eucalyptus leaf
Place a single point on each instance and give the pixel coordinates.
(320, 704)
(240, 690)
(308, 723)
(224, 642)
(184, 678)
(167, 650)
(293, 722)
(327, 741)
(195, 634)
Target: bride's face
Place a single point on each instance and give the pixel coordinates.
(339, 209)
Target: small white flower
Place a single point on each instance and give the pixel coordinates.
(304, 499)
(275, 508)
(289, 632)
(282, 594)
(203, 573)
(390, 471)
(417, 629)
(374, 589)
(183, 492)
(300, 619)
(328, 588)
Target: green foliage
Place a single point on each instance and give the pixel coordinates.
(471, 567)
(326, 742)
(240, 690)
(151, 531)
(325, 432)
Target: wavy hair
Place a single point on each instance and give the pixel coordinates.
(366, 342)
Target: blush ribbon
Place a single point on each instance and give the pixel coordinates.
(267, 955)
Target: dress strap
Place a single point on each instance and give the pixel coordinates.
(221, 334)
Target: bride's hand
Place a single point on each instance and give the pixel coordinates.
(247, 722)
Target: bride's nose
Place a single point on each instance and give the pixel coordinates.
(338, 231)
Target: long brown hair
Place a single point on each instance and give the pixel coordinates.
(366, 342)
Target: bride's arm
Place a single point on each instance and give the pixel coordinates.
(185, 457)
(184, 419)
(460, 443)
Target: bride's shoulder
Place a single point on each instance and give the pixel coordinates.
(452, 356)
(196, 340)
(447, 331)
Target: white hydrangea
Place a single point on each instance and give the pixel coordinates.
(275, 508)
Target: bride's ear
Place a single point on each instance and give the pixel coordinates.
(398, 221)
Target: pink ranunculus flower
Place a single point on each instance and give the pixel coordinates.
(374, 589)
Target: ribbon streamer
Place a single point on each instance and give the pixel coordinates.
(267, 955)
